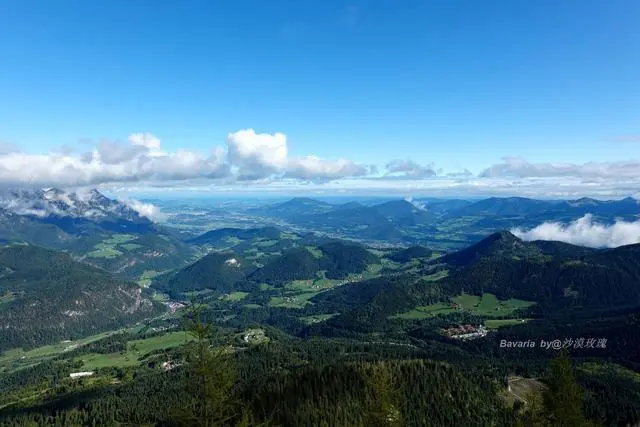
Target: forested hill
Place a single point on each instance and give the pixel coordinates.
(341, 259)
(553, 275)
(215, 237)
(46, 296)
(410, 253)
(146, 252)
(556, 274)
(293, 264)
(418, 393)
(227, 271)
(505, 245)
(218, 271)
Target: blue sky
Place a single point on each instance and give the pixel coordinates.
(457, 84)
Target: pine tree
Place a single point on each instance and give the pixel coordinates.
(563, 398)
(532, 414)
(211, 375)
(386, 408)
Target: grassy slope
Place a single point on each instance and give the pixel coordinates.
(486, 306)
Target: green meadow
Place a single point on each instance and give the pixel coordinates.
(487, 306)
(135, 350)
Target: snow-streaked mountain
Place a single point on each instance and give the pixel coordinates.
(53, 202)
(96, 229)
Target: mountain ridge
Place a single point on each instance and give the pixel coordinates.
(51, 297)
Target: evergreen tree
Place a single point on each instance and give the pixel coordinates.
(564, 398)
(532, 414)
(210, 374)
(560, 404)
(386, 407)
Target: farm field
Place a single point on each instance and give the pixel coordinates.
(18, 358)
(7, 297)
(317, 318)
(300, 291)
(192, 294)
(317, 253)
(104, 251)
(135, 349)
(147, 276)
(234, 296)
(437, 275)
(425, 311)
(130, 246)
(109, 248)
(292, 301)
(265, 243)
(373, 270)
(252, 306)
(487, 306)
(498, 323)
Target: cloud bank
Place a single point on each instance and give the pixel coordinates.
(409, 169)
(249, 156)
(585, 232)
(251, 161)
(520, 168)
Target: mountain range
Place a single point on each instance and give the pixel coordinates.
(554, 274)
(66, 209)
(446, 224)
(104, 232)
(228, 271)
(375, 303)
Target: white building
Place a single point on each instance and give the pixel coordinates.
(80, 374)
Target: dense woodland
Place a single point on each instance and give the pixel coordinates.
(148, 251)
(221, 235)
(213, 271)
(294, 264)
(314, 382)
(336, 259)
(605, 278)
(411, 253)
(50, 297)
(342, 259)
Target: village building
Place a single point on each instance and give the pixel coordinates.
(466, 332)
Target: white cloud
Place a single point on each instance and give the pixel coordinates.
(110, 162)
(585, 232)
(416, 203)
(261, 162)
(146, 140)
(409, 169)
(251, 157)
(111, 153)
(439, 186)
(464, 173)
(520, 168)
(148, 210)
(257, 155)
(315, 168)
